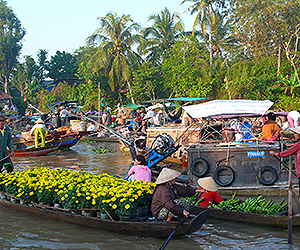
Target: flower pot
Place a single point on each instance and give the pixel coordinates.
(14, 200)
(57, 205)
(125, 217)
(2, 196)
(88, 214)
(103, 216)
(76, 212)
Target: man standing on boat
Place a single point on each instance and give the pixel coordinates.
(63, 116)
(294, 150)
(5, 142)
(39, 130)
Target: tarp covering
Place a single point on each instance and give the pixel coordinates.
(226, 107)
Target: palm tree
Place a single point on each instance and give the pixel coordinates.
(205, 18)
(115, 53)
(161, 35)
(290, 84)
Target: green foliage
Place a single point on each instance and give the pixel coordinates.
(62, 67)
(147, 83)
(11, 36)
(186, 69)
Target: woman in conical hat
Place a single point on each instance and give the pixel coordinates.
(294, 150)
(166, 203)
(39, 130)
(209, 189)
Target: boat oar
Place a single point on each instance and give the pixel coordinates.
(180, 223)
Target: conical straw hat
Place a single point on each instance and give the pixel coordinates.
(208, 183)
(39, 121)
(296, 130)
(167, 175)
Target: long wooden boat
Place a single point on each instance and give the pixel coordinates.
(62, 141)
(252, 218)
(35, 151)
(144, 229)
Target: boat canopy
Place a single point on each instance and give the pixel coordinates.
(228, 107)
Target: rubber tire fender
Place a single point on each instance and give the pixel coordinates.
(204, 167)
(219, 170)
(270, 169)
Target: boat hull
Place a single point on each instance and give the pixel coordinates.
(144, 229)
(251, 218)
(35, 151)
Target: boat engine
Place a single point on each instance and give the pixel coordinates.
(163, 143)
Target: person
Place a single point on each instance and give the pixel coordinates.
(5, 142)
(39, 130)
(270, 130)
(151, 114)
(209, 189)
(140, 170)
(293, 118)
(121, 113)
(106, 118)
(294, 150)
(6, 108)
(158, 119)
(165, 202)
(63, 116)
(103, 103)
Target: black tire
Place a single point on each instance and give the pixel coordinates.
(199, 167)
(224, 175)
(267, 175)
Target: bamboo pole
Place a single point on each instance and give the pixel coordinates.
(290, 211)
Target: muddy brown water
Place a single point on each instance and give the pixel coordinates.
(20, 231)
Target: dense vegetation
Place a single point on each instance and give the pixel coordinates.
(237, 49)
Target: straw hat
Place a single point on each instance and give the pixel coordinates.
(2, 117)
(208, 183)
(296, 130)
(167, 175)
(39, 121)
(160, 111)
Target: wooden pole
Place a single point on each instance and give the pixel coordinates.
(99, 101)
(290, 204)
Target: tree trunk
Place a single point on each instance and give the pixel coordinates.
(210, 41)
(279, 60)
(129, 86)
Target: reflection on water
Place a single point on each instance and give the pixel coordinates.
(19, 231)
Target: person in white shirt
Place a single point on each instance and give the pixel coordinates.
(151, 114)
(38, 130)
(293, 118)
(63, 116)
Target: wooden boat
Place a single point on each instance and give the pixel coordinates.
(61, 140)
(35, 151)
(144, 229)
(252, 218)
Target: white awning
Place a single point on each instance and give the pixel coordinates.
(228, 107)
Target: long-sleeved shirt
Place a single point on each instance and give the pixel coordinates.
(270, 128)
(5, 141)
(165, 195)
(208, 197)
(140, 172)
(38, 125)
(294, 150)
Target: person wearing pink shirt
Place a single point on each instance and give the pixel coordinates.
(140, 170)
(294, 150)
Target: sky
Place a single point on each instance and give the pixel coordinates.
(64, 25)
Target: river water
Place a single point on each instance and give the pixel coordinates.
(20, 231)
